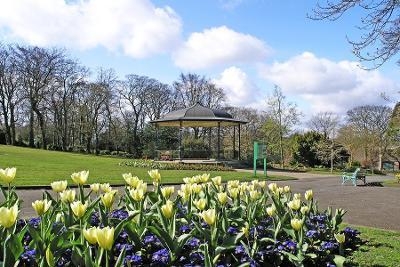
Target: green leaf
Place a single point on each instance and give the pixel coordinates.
(49, 257)
(339, 260)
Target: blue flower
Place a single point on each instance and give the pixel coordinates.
(161, 256)
(194, 242)
(151, 239)
(119, 214)
(239, 249)
(136, 259)
(29, 255)
(312, 233)
(34, 222)
(185, 229)
(232, 230)
(328, 245)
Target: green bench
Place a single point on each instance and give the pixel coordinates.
(353, 177)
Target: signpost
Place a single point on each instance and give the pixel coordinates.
(260, 152)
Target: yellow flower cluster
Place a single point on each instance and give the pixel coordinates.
(104, 237)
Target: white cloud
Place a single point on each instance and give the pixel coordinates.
(239, 89)
(219, 46)
(136, 26)
(230, 4)
(327, 85)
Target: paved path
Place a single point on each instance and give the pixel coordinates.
(366, 205)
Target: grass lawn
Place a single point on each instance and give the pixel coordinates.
(382, 248)
(391, 183)
(37, 167)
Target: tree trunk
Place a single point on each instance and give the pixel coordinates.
(332, 157)
(12, 125)
(31, 126)
(42, 126)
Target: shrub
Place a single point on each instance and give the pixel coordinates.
(206, 223)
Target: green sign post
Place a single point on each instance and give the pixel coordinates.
(260, 152)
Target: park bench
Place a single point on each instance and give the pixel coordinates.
(353, 177)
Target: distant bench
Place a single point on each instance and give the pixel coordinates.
(353, 177)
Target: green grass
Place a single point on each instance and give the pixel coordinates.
(381, 248)
(391, 183)
(37, 167)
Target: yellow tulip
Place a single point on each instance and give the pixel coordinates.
(8, 216)
(200, 203)
(217, 180)
(130, 180)
(167, 209)
(296, 224)
(297, 196)
(105, 237)
(209, 216)
(271, 210)
(304, 209)
(59, 186)
(136, 194)
(254, 195)
(78, 209)
(222, 198)
(273, 187)
(340, 238)
(59, 217)
(41, 206)
(106, 187)
(90, 235)
(95, 187)
(108, 199)
(286, 189)
(7, 175)
(142, 186)
(233, 192)
(233, 184)
(204, 177)
(67, 196)
(308, 195)
(80, 178)
(156, 176)
(262, 184)
(167, 191)
(295, 204)
(245, 230)
(196, 188)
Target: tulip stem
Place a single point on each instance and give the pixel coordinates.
(107, 259)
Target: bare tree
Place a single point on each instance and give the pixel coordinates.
(285, 114)
(371, 123)
(380, 39)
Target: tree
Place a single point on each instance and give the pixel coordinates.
(283, 114)
(380, 39)
(304, 150)
(371, 123)
(326, 123)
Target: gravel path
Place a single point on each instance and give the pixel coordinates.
(366, 205)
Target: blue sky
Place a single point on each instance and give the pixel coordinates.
(245, 46)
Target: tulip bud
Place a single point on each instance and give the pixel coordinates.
(78, 209)
(105, 237)
(273, 187)
(67, 196)
(130, 180)
(204, 177)
(296, 224)
(308, 195)
(297, 196)
(108, 199)
(217, 180)
(168, 209)
(262, 184)
(209, 216)
(136, 194)
(200, 203)
(271, 210)
(8, 216)
(340, 238)
(254, 195)
(167, 191)
(286, 189)
(7, 175)
(95, 187)
(106, 188)
(222, 198)
(233, 184)
(233, 192)
(80, 178)
(245, 230)
(294, 204)
(196, 188)
(304, 209)
(41, 206)
(90, 235)
(59, 186)
(156, 176)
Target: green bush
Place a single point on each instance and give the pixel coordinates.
(150, 164)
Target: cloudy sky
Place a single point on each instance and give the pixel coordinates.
(244, 46)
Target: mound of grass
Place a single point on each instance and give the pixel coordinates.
(37, 167)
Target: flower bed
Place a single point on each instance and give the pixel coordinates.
(151, 164)
(204, 223)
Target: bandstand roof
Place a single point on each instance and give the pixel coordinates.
(197, 116)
